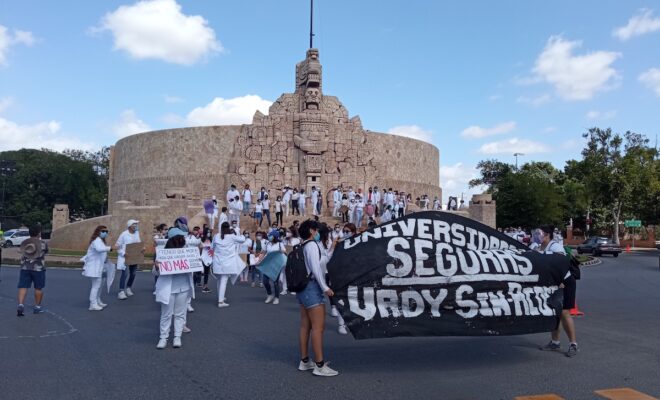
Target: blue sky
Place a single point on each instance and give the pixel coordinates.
(478, 79)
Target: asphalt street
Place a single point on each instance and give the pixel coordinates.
(249, 350)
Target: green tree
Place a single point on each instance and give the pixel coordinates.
(492, 172)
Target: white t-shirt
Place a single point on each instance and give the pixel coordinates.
(266, 204)
(258, 208)
(247, 195)
(278, 206)
(231, 194)
(273, 247)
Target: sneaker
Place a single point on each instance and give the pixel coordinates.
(261, 284)
(95, 307)
(292, 293)
(20, 310)
(551, 347)
(306, 366)
(324, 370)
(572, 350)
(222, 304)
(334, 312)
(103, 305)
(206, 290)
(37, 310)
(122, 295)
(162, 343)
(190, 308)
(269, 299)
(186, 329)
(342, 330)
(129, 292)
(253, 284)
(198, 285)
(276, 301)
(283, 293)
(176, 343)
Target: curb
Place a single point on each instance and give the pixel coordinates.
(591, 262)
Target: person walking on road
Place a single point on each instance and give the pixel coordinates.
(33, 270)
(97, 254)
(129, 236)
(226, 261)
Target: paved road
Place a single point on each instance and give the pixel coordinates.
(249, 350)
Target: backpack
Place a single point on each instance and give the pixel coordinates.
(295, 270)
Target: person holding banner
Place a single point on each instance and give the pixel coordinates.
(95, 259)
(547, 245)
(312, 306)
(226, 261)
(173, 291)
(274, 245)
(328, 243)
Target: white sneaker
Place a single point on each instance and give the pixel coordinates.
(122, 295)
(324, 370)
(334, 312)
(129, 292)
(276, 300)
(253, 284)
(222, 304)
(95, 307)
(269, 299)
(283, 293)
(162, 343)
(308, 366)
(101, 304)
(176, 343)
(342, 330)
(186, 329)
(190, 309)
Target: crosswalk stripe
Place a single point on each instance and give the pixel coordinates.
(624, 394)
(540, 397)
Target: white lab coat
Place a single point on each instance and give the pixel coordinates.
(226, 260)
(164, 287)
(97, 254)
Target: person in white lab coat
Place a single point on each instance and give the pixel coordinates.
(97, 254)
(227, 262)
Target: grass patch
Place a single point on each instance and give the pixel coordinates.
(582, 258)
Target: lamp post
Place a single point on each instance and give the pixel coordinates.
(516, 156)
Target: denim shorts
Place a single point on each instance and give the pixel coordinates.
(28, 277)
(311, 296)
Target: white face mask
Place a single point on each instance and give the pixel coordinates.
(288, 234)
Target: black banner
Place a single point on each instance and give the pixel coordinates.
(437, 274)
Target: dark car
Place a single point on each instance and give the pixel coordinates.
(599, 246)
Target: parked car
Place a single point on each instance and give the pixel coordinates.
(15, 237)
(598, 246)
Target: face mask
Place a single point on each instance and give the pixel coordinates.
(537, 238)
(270, 238)
(317, 237)
(247, 235)
(288, 234)
(347, 235)
(135, 228)
(103, 235)
(258, 237)
(337, 229)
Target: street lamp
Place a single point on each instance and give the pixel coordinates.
(516, 156)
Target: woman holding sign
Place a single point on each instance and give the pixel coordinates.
(173, 291)
(226, 261)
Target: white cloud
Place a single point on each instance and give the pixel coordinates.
(7, 40)
(172, 99)
(639, 24)
(40, 135)
(476, 132)
(593, 114)
(234, 111)
(535, 101)
(494, 97)
(158, 29)
(514, 145)
(454, 180)
(412, 131)
(651, 79)
(575, 77)
(129, 124)
(5, 103)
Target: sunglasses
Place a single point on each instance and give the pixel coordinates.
(347, 231)
(104, 231)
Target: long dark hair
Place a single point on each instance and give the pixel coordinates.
(97, 233)
(324, 232)
(176, 242)
(225, 229)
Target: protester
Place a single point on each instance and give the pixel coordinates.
(286, 199)
(314, 198)
(302, 202)
(336, 201)
(223, 218)
(258, 213)
(279, 206)
(359, 211)
(173, 292)
(95, 259)
(257, 248)
(265, 203)
(247, 200)
(244, 251)
(344, 209)
(129, 236)
(207, 258)
(232, 193)
(312, 307)
(292, 238)
(549, 246)
(274, 245)
(387, 215)
(226, 261)
(33, 270)
(327, 246)
(295, 198)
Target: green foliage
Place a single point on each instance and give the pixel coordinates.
(44, 178)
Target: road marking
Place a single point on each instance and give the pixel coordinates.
(624, 394)
(540, 397)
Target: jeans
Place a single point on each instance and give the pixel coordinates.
(294, 207)
(267, 215)
(358, 217)
(131, 277)
(278, 218)
(267, 281)
(246, 207)
(255, 274)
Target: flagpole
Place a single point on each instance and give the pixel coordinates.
(311, 24)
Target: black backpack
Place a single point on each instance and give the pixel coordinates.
(295, 270)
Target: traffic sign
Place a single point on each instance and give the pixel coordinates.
(633, 223)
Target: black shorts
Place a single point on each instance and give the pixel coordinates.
(27, 278)
(569, 293)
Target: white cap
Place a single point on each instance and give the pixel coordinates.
(213, 197)
(131, 222)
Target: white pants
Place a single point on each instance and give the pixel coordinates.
(222, 287)
(283, 282)
(95, 292)
(285, 208)
(212, 218)
(335, 209)
(177, 309)
(301, 208)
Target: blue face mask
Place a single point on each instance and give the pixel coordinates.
(317, 237)
(537, 238)
(103, 235)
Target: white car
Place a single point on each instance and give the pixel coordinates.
(15, 237)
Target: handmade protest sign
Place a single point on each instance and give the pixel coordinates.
(134, 254)
(271, 265)
(178, 261)
(435, 274)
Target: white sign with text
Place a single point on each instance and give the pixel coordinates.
(179, 261)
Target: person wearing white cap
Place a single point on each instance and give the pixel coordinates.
(129, 236)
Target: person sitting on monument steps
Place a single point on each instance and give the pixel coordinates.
(129, 236)
(226, 261)
(97, 254)
(547, 246)
(312, 306)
